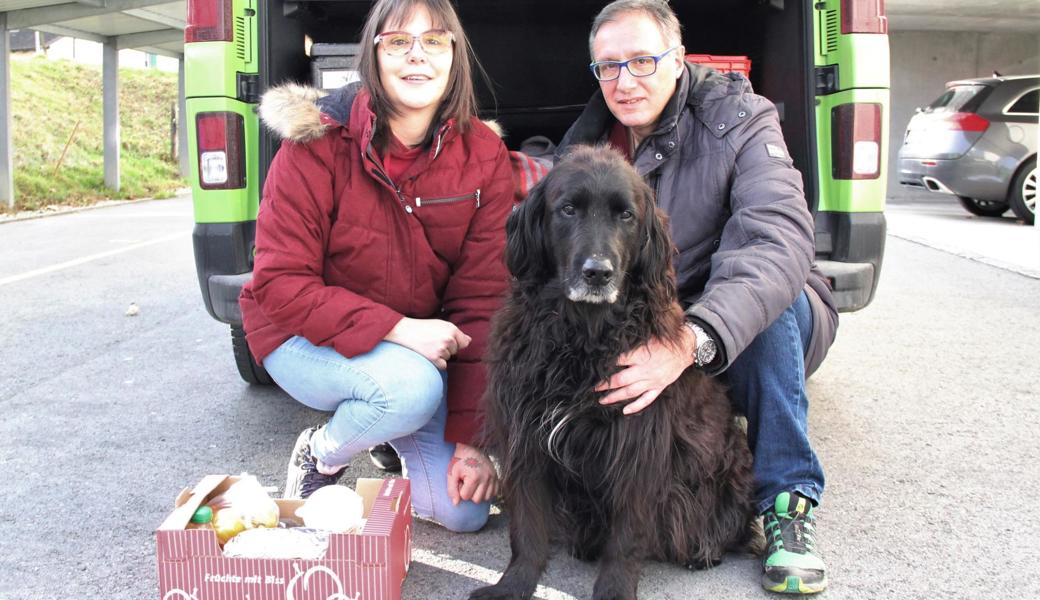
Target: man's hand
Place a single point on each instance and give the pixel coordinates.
(435, 339)
(646, 371)
(471, 476)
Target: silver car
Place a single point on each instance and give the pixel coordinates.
(977, 142)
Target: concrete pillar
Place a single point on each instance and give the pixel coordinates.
(6, 162)
(182, 122)
(110, 107)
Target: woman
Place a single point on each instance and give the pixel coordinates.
(379, 262)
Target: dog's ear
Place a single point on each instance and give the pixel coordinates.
(526, 253)
(654, 262)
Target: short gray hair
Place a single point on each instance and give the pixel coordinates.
(658, 11)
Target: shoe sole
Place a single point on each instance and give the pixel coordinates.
(793, 584)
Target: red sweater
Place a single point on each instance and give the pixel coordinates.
(343, 253)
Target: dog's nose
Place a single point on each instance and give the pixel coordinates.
(597, 270)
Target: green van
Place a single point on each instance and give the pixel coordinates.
(824, 63)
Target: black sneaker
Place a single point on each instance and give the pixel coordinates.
(303, 477)
(791, 564)
(385, 457)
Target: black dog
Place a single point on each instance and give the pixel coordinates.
(591, 258)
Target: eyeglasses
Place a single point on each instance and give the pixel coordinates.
(638, 66)
(399, 43)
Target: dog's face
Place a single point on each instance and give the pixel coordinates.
(593, 219)
(589, 224)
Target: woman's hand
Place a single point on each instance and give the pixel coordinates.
(435, 339)
(471, 476)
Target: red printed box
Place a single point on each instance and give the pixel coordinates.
(723, 64)
(370, 565)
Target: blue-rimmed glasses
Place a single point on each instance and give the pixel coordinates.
(399, 43)
(638, 66)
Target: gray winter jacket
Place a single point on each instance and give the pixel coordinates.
(720, 168)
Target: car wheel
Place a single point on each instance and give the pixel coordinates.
(983, 208)
(1022, 196)
(248, 369)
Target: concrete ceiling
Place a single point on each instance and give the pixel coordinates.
(150, 25)
(1021, 16)
(157, 25)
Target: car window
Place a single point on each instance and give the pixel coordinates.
(1027, 104)
(955, 98)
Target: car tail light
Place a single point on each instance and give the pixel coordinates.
(964, 121)
(856, 141)
(863, 16)
(208, 21)
(221, 150)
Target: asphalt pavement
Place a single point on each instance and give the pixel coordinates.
(924, 415)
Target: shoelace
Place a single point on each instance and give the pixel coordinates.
(792, 531)
(314, 479)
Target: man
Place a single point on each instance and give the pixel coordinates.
(759, 314)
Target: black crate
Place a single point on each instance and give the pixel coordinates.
(334, 65)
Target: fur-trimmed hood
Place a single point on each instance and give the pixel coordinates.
(303, 113)
(292, 111)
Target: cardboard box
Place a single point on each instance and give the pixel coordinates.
(370, 565)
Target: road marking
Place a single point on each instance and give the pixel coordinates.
(85, 259)
(483, 574)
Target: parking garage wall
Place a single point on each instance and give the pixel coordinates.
(923, 61)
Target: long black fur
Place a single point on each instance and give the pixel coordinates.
(672, 483)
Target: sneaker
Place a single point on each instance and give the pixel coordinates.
(303, 477)
(385, 457)
(791, 564)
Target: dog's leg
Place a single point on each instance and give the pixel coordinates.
(530, 517)
(621, 562)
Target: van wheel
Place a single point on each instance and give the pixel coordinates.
(983, 208)
(250, 372)
(1022, 196)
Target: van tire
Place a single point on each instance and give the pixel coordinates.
(1022, 195)
(248, 369)
(983, 208)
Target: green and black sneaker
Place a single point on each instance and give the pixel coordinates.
(791, 564)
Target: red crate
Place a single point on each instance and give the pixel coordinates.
(723, 64)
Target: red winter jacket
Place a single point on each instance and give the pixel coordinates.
(342, 253)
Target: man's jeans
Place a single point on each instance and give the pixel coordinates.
(767, 384)
(389, 394)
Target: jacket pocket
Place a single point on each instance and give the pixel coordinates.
(446, 219)
(431, 202)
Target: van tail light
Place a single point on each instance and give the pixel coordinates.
(221, 138)
(856, 141)
(208, 21)
(964, 121)
(863, 16)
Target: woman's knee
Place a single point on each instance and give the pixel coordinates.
(417, 393)
(467, 517)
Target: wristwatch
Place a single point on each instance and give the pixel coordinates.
(705, 352)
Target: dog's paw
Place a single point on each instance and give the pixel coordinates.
(495, 592)
(703, 564)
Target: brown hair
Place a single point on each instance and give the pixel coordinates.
(658, 11)
(459, 101)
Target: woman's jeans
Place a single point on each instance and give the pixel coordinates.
(389, 394)
(767, 385)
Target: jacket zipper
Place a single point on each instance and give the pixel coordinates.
(431, 201)
(386, 179)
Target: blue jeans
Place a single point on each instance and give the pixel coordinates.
(767, 385)
(389, 394)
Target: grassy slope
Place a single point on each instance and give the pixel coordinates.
(49, 97)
